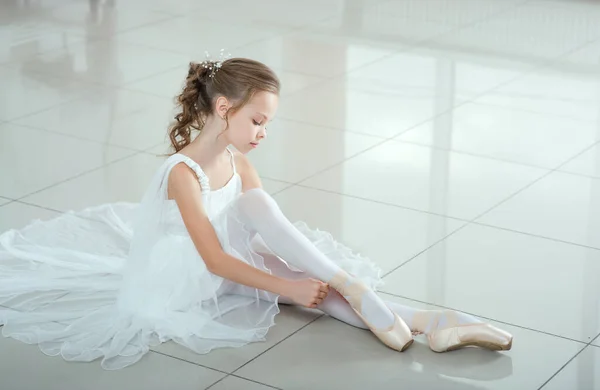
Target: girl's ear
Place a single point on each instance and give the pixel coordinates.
(222, 105)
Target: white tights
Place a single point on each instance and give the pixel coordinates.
(260, 213)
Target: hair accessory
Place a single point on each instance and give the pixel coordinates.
(214, 66)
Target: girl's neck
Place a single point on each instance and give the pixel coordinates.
(209, 145)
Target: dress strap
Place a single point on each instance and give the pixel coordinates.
(232, 161)
(202, 178)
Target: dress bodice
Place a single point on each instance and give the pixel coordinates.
(214, 201)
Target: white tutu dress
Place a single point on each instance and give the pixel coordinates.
(114, 280)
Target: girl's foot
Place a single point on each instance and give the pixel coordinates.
(395, 334)
(448, 330)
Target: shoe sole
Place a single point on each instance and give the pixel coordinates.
(482, 344)
(407, 345)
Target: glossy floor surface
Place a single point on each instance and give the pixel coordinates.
(455, 142)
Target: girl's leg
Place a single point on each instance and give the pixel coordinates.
(260, 214)
(333, 305)
(427, 322)
(421, 321)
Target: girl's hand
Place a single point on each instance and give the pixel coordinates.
(307, 292)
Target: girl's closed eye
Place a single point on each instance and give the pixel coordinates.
(256, 123)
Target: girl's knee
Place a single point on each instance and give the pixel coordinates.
(257, 199)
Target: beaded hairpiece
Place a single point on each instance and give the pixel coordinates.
(214, 66)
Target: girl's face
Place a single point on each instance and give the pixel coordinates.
(247, 127)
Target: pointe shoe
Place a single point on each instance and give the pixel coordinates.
(456, 336)
(398, 336)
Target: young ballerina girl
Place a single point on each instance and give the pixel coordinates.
(205, 258)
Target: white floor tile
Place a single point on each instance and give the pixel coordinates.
(110, 116)
(426, 179)
(123, 181)
(26, 92)
(582, 373)
(38, 6)
(369, 228)
(26, 367)
(282, 14)
(560, 206)
(109, 62)
(457, 13)
(274, 186)
(582, 59)
(25, 42)
(314, 53)
(525, 33)
(97, 19)
(569, 87)
(288, 321)
(389, 31)
(365, 106)
(234, 383)
(17, 215)
(507, 134)
(587, 163)
(283, 154)
(330, 354)
(176, 7)
(508, 276)
(191, 36)
(451, 79)
(31, 160)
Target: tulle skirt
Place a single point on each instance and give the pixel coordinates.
(66, 285)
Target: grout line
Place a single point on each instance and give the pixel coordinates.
(79, 175)
(584, 150)
(563, 366)
(166, 18)
(308, 28)
(423, 251)
(580, 175)
(486, 318)
(39, 206)
(240, 47)
(466, 221)
(406, 48)
(251, 380)
(75, 136)
(536, 67)
(382, 203)
(242, 378)
(474, 222)
(276, 344)
(535, 235)
(545, 115)
(282, 190)
(327, 127)
(541, 65)
(217, 382)
(12, 120)
(393, 137)
(473, 154)
(536, 181)
(511, 196)
(187, 361)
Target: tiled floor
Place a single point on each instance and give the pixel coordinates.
(455, 142)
